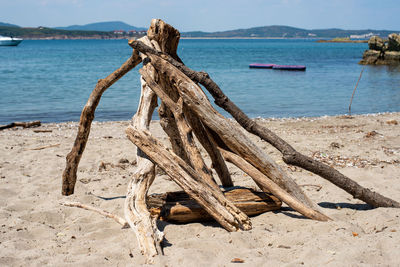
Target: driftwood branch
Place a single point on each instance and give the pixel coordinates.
(107, 214)
(235, 139)
(354, 91)
(195, 159)
(44, 147)
(87, 116)
(165, 38)
(135, 208)
(269, 186)
(290, 155)
(211, 199)
(21, 124)
(179, 207)
(207, 141)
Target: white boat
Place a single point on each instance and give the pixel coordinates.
(9, 41)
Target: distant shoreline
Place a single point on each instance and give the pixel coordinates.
(203, 38)
(342, 41)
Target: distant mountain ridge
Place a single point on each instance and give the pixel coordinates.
(107, 26)
(279, 31)
(8, 25)
(273, 31)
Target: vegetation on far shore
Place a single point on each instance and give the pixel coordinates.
(342, 40)
(50, 33)
(123, 30)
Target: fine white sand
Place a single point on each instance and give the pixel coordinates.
(37, 231)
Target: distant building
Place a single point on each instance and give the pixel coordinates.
(312, 35)
(119, 32)
(362, 36)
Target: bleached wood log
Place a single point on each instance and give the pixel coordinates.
(195, 159)
(218, 163)
(135, 208)
(179, 207)
(211, 199)
(165, 38)
(269, 186)
(233, 137)
(73, 158)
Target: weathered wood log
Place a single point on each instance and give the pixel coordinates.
(195, 159)
(73, 158)
(20, 124)
(266, 184)
(218, 163)
(235, 139)
(211, 199)
(179, 207)
(290, 155)
(165, 38)
(135, 208)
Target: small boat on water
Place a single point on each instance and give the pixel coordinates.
(261, 66)
(276, 67)
(289, 67)
(9, 41)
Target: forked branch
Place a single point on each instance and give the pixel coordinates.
(87, 116)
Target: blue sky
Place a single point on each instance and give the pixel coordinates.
(207, 15)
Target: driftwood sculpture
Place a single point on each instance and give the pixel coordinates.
(185, 112)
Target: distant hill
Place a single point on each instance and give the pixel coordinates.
(8, 24)
(278, 31)
(103, 26)
(104, 30)
(49, 33)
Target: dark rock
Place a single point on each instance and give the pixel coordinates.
(376, 43)
(394, 42)
(381, 53)
(391, 58)
(123, 161)
(335, 145)
(370, 57)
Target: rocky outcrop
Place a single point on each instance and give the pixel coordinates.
(376, 43)
(394, 42)
(381, 52)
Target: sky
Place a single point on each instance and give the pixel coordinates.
(207, 15)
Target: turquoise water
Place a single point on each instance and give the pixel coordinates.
(50, 80)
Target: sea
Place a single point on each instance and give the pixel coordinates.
(51, 80)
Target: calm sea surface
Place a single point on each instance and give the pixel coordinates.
(51, 80)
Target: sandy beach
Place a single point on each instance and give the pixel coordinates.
(36, 230)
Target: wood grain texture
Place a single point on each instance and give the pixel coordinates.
(179, 207)
(212, 200)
